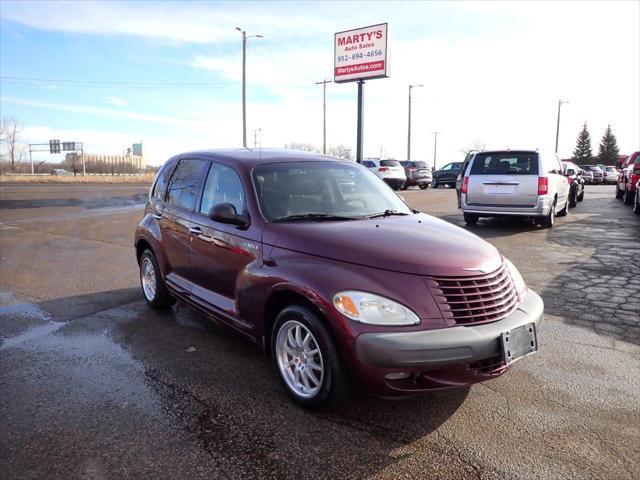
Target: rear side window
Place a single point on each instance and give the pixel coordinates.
(505, 163)
(163, 178)
(185, 183)
(389, 163)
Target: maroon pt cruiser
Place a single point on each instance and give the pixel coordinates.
(318, 261)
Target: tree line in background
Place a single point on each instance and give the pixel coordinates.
(608, 149)
(340, 151)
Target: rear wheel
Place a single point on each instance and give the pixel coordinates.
(307, 359)
(550, 220)
(628, 196)
(423, 186)
(573, 198)
(153, 287)
(471, 218)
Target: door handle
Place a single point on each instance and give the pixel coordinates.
(157, 215)
(195, 230)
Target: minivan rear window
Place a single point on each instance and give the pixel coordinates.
(505, 163)
(389, 163)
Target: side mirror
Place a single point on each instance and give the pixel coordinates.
(226, 213)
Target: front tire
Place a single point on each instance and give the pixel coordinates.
(153, 288)
(434, 183)
(619, 192)
(628, 196)
(306, 359)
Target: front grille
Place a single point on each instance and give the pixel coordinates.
(476, 299)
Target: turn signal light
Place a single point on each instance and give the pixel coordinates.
(543, 185)
(383, 169)
(465, 185)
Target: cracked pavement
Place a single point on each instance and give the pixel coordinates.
(94, 385)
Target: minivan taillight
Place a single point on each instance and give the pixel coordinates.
(465, 185)
(383, 169)
(543, 185)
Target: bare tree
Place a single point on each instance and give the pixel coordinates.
(476, 146)
(306, 147)
(341, 151)
(10, 131)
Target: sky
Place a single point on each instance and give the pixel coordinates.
(168, 74)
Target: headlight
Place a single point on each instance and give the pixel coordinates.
(518, 281)
(372, 309)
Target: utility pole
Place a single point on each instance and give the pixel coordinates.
(560, 102)
(360, 125)
(435, 148)
(324, 114)
(244, 83)
(409, 123)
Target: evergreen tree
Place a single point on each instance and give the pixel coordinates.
(609, 151)
(582, 153)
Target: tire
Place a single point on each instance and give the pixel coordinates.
(405, 186)
(619, 193)
(628, 196)
(434, 183)
(396, 187)
(636, 204)
(324, 392)
(153, 288)
(565, 211)
(423, 186)
(470, 218)
(550, 220)
(581, 196)
(573, 197)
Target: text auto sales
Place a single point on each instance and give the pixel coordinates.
(355, 42)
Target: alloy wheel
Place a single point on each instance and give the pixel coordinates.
(299, 359)
(148, 278)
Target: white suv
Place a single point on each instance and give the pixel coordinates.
(388, 170)
(516, 183)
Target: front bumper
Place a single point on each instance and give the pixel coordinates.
(446, 346)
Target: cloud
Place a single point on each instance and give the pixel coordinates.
(117, 101)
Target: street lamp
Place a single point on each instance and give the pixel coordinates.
(244, 82)
(560, 102)
(409, 123)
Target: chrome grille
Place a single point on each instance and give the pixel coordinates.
(477, 299)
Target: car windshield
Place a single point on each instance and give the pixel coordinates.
(505, 163)
(321, 191)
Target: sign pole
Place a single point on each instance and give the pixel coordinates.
(360, 121)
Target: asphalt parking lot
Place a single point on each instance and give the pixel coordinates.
(94, 385)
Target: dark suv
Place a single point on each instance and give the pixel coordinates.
(447, 175)
(291, 250)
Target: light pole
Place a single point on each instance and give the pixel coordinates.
(244, 83)
(560, 102)
(409, 123)
(324, 114)
(435, 149)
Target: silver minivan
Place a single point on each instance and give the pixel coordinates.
(526, 183)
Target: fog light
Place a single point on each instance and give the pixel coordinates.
(397, 375)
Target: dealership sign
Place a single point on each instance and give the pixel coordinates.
(361, 54)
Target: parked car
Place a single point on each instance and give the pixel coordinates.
(598, 174)
(587, 175)
(628, 177)
(388, 170)
(417, 173)
(446, 175)
(610, 174)
(576, 183)
(60, 172)
(636, 203)
(264, 242)
(522, 183)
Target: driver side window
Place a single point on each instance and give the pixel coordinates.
(223, 185)
(447, 167)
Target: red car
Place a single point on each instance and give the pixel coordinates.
(328, 270)
(628, 177)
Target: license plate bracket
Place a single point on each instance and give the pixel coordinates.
(519, 343)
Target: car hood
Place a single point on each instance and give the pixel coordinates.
(417, 244)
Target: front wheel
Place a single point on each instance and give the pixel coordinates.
(307, 359)
(628, 196)
(434, 183)
(153, 287)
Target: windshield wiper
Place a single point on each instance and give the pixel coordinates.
(386, 213)
(313, 217)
